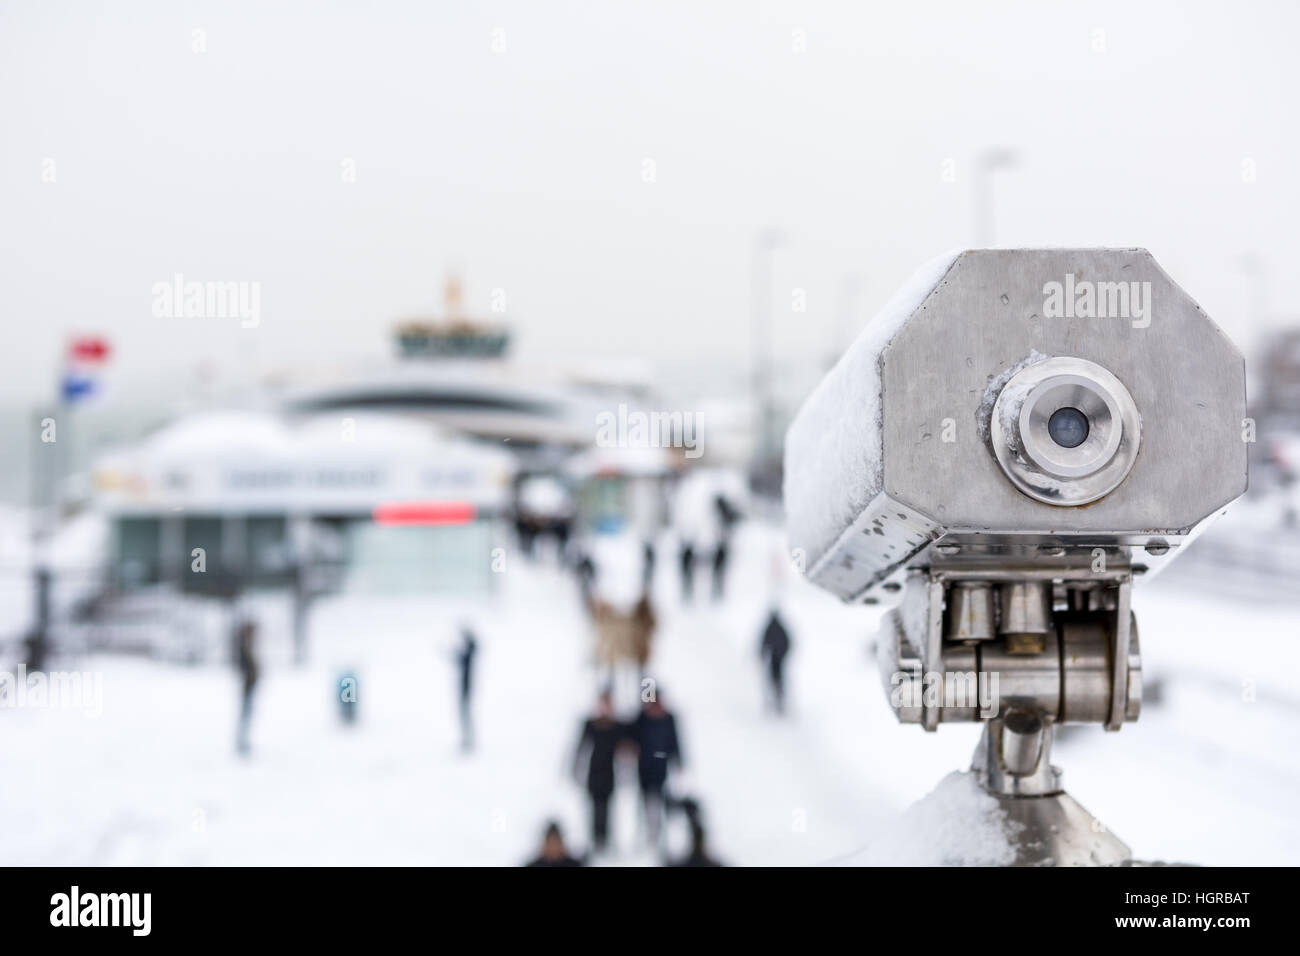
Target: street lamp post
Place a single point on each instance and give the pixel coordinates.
(765, 243)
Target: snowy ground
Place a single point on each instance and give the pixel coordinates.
(1208, 774)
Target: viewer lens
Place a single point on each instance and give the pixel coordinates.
(1068, 427)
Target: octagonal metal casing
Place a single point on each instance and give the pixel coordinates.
(892, 456)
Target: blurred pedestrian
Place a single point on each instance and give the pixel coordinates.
(686, 560)
(699, 855)
(526, 534)
(704, 515)
(727, 518)
(36, 647)
(247, 661)
(37, 643)
(598, 745)
(554, 852)
(543, 506)
(619, 605)
(773, 648)
(648, 560)
(465, 670)
(655, 732)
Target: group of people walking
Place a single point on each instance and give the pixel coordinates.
(650, 739)
(612, 750)
(607, 745)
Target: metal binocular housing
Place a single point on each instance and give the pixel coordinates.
(1017, 438)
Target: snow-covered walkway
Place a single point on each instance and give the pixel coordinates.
(1207, 775)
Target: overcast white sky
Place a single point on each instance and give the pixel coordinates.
(524, 168)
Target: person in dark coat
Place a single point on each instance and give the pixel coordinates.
(554, 853)
(686, 561)
(465, 672)
(602, 736)
(648, 558)
(586, 572)
(774, 647)
(658, 748)
(246, 661)
(37, 643)
(699, 855)
(727, 518)
(526, 533)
